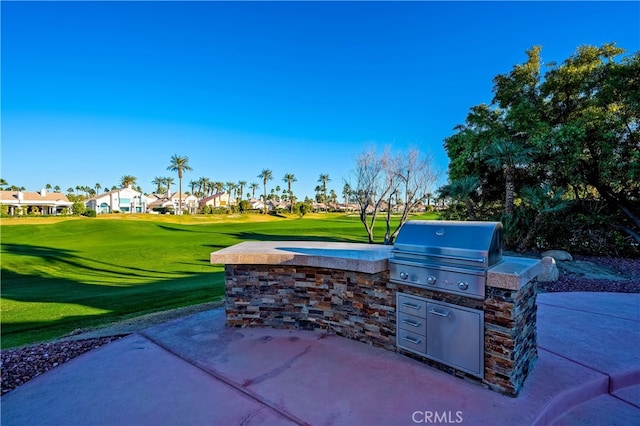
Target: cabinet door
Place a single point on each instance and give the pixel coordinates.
(456, 337)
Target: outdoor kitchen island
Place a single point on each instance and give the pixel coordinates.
(344, 289)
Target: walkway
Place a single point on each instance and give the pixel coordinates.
(194, 371)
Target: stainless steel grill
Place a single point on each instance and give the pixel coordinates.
(448, 256)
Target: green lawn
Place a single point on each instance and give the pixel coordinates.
(61, 275)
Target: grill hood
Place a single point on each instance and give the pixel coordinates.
(459, 243)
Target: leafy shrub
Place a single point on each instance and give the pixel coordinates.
(78, 208)
(90, 213)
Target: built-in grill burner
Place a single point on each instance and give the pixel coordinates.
(448, 256)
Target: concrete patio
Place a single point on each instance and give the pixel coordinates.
(194, 371)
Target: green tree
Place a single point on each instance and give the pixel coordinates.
(289, 178)
(578, 123)
(3, 183)
(97, 187)
(542, 200)
(179, 164)
(265, 175)
(78, 208)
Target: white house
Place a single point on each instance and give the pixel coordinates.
(189, 202)
(169, 203)
(123, 200)
(42, 202)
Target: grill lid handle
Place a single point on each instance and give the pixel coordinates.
(463, 258)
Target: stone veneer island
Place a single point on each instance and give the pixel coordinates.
(344, 289)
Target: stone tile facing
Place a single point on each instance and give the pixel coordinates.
(356, 305)
(362, 306)
(511, 347)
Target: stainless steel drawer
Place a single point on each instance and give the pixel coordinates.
(412, 341)
(412, 323)
(412, 306)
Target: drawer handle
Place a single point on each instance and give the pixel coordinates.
(410, 305)
(409, 339)
(433, 311)
(412, 323)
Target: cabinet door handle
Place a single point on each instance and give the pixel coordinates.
(409, 339)
(410, 305)
(412, 323)
(433, 311)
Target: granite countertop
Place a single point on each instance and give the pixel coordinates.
(358, 257)
(513, 272)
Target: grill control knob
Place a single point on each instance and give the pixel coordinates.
(431, 280)
(404, 275)
(463, 285)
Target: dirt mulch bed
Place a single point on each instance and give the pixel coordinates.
(23, 364)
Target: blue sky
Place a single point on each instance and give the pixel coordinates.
(93, 91)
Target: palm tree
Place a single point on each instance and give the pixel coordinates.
(203, 185)
(241, 186)
(346, 193)
(47, 186)
(289, 178)
(180, 165)
(127, 180)
(70, 190)
(265, 176)
(56, 188)
(464, 190)
(429, 195)
(3, 183)
(230, 189)
(97, 187)
(508, 156)
(323, 179)
(168, 181)
(193, 184)
(254, 186)
(158, 181)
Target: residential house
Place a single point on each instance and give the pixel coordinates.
(42, 202)
(164, 203)
(122, 200)
(222, 199)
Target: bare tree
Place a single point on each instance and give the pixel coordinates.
(413, 176)
(372, 186)
(381, 178)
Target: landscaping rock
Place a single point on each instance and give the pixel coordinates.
(558, 255)
(549, 272)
